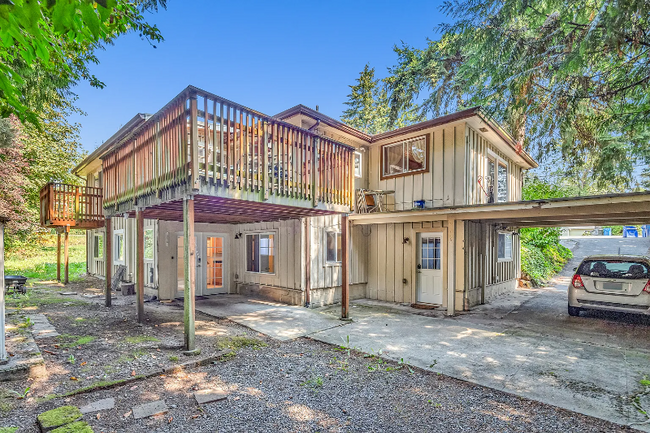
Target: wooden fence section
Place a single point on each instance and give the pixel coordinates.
(71, 205)
(200, 139)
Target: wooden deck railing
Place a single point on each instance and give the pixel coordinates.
(71, 205)
(201, 139)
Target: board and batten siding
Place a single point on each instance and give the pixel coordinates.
(476, 162)
(485, 276)
(442, 185)
(392, 260)
(326, 278)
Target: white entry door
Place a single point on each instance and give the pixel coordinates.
(214, 265)
(429, 268)
(211, 270)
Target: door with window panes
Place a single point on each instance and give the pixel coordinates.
(429, 268)
(210, 263)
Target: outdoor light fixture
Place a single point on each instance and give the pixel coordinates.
(483, 129)
(406, 240)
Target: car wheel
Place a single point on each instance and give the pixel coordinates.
(574, 311)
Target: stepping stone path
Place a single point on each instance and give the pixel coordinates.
(96, 406)
(149, 409)
(210, 395)
(42, 327)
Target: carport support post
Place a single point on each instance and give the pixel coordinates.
(189, 255)
(66, 255)
(108, 261)
(345, 267)
(139, 262)
(451, 267)
(58, 256)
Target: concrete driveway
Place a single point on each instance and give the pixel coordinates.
(525, 344)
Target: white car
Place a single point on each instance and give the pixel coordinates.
(613, 283)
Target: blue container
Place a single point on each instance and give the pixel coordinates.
(418, 204)
(645, 230)
(630, 232)
(607, 231)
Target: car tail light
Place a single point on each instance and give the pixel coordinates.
(647, 287)
(577, 282)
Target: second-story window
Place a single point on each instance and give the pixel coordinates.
(404, 158)
(358, 167)
(502, 183)
(498, 181)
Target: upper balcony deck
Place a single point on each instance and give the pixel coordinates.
(74, 206)
(203, 145)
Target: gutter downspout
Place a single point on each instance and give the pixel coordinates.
(314, 126)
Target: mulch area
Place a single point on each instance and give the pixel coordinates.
(301, 385)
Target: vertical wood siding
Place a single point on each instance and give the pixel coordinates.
(390, 260)
(326, 275)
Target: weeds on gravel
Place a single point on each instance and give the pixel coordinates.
(74, 340)
(432, 403)
(228, 356)
(128, 357)
(240, 342)
(35, 299)
(141, 339)
(27, 323)
(313, 383)
(340, 364)
(173, 358)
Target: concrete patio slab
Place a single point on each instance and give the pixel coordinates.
(96, 406)
(595, 380)
(280, 321)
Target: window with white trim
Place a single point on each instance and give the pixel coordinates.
(358, 165)
(406, 157)
(260, 253)
(118, 247)
(334, 246)
(148, 244)
(502, 183)
(99, 246)
(504, 246)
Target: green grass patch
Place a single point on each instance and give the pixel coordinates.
(39, 263)
(173, 358)
(128, 357)
(35, 299)
(240, 342)
(69, 341)
(141, 339)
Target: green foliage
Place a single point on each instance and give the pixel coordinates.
(240, 342)
(39, 262)
(369, 106)
(542, 255)
(567, 77)
(69, 341)
(46, 47)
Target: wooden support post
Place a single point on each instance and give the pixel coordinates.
(139, 263)
(66, 255)
(345, 267)
(307, 262)
(108, 260)
(58, 256)
(189, 257)
(451, 267)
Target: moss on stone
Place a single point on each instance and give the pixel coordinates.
(75, 427)
(58, 417)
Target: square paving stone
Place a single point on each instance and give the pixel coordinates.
(210, 395)
(96, 406)
(149, 409)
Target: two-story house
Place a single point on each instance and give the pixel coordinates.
(262, 197)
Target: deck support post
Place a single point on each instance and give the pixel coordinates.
(451, 267)
(58, 256)
(66, 255)
(108, 261)
(189, 257)
(139, 262)
(345, 267)
(307, 224)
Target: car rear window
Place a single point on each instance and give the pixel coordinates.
(614, 269)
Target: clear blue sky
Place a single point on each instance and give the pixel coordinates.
(266, 55)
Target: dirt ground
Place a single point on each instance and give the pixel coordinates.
(301, 385)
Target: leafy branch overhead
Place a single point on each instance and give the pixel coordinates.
(569, 77)
(46, 47)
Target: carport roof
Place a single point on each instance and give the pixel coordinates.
(614, 209)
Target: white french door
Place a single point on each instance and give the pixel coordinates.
(429, 268)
